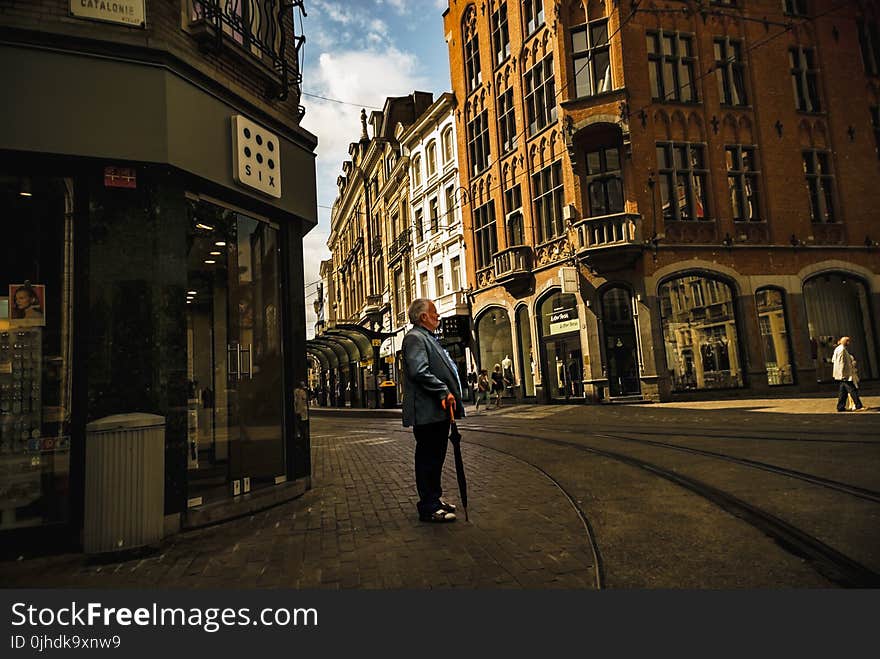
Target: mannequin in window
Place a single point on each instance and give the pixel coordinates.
(507, 371)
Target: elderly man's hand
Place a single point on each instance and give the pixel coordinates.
(448, 403)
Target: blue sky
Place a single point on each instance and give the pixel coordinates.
(361, 51)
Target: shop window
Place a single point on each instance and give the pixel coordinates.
(838, 305)
(773, 325)
(820, 185)
(730, 72)
(36, 343)
(604, 181)
(700, 336)
(494, 337)
(526, 352)
(742, 182)
(671, 67)
(591, 58)
(540, 95)
(804, 79)
(682, 172)
(548, 194)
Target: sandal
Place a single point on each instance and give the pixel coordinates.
(438, 517)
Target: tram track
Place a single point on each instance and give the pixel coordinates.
(831, 484)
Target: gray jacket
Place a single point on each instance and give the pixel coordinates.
(429, 375)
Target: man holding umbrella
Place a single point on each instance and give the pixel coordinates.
(432, 395)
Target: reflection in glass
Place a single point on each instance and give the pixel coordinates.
(494, 333)
(700, 335)
(774, 336)
(526, 353)
(620, 342)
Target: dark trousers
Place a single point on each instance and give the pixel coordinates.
(431, 442)
(847, 388)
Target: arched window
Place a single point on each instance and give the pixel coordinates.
(416, 171)
(448, 148)
(700, 334)
(773, 325)
(431, 159)
(837, 305)
(473, 75)
(494, 336)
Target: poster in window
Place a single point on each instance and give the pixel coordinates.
(27, 305)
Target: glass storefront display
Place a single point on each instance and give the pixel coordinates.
(837, 305)
(526, 353)
(495, 339)
(36, 340)
(235, 442)
(772, 323)
(700, 334)
(561, 347)
(620, 342)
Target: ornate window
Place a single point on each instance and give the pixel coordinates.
(742, 182)
(604, 181)
(804, 79)
(682, 175)
(473, 75)
(548, 193)
(533, 15)
(671, 66)
(540, 88)
(591, 58)
(500, 34)
(820, 185)
(485, 238)
(507, 120)
(478, 142)
(730, 72)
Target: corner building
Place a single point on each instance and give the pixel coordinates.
(669, 199)
(155, 186)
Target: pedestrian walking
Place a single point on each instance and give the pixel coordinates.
(472, 385)
(850, 403)
(497, 385)
(843, 371)
(432, 389)
(483, 388)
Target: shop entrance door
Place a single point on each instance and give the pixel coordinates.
(620, 343)
(563, 367)
(235, 439)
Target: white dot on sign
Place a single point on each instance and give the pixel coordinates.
(254, 622)
(220, 243)
(210, 261)
(215, 253)
(192, 292)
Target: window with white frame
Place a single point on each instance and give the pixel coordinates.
(455, 273)
(431, 159)
(439, 285)
(448, 146)
(434, 215)
(416, 171)
(423, 285)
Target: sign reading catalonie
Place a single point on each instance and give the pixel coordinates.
(126, 12)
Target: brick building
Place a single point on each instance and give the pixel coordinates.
(156, 185)
(669, 197)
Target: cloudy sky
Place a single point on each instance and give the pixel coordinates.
(361, 51)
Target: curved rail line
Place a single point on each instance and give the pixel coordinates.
(829, 562)
(846, 488)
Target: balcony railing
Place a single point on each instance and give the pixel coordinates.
(399, 245)
(259, 27)
(608, 231)
(512, 262)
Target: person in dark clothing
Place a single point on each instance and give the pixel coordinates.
(497, 385)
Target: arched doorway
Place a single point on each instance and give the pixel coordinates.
(562, 363)
(621, 358)
(773, 327)
(700, 333)
(837, 305)
(526, 353)
(495, 340)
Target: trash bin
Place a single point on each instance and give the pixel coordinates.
(125, 482)
(389, 394)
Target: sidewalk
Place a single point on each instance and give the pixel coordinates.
(357, 528)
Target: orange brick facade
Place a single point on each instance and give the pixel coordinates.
(673, 293)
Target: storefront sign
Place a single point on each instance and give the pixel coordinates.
(256, 157)
(120, 177)
(564, 320)
(124, 12)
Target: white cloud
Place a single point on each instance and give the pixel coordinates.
(364, 77)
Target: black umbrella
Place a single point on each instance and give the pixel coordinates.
(455, 438)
